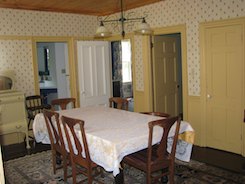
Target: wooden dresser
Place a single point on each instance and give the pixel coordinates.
(13, 113)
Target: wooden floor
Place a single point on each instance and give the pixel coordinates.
(210, 156)
(19, 150)
(223, 159)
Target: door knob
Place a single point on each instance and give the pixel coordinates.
(209, 96)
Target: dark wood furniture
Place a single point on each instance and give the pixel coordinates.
(62, 103)
(56, 141)
(161, 114)
(119, 103)
(155, 157)
(34, 105)
(76, 157)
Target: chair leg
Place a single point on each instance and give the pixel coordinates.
(29, 123)
(74, 175)
(90, 178)
(171, 178)
(65, 168)
(148, 179)
(171, 174)
(54, 161)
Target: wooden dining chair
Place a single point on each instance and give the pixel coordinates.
(34, 105)
(161, 114)
(119, 103)
(76, 157)
(56, 141)
(155, 157)
(62, 103)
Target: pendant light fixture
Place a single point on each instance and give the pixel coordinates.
(143, 27)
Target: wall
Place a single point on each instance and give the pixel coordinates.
(16, 30)
(17, 53)
(177, 12)
(180, 12)
(17, 27)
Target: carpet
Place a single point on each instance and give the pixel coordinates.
(37, 169)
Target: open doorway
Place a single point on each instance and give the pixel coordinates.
(122, 83)
(167, 74)
(53, 70)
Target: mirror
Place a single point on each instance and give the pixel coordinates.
(43, 61)
(7, 80)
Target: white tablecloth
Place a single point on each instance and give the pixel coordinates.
(111, 134)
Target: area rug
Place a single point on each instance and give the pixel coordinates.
(37, 169)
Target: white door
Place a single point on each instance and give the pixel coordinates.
(167, 75)
(62, 70)
(93, 72)
(225, 70)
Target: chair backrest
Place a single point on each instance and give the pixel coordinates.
(119, 103)
(54, 130)
(166, 125)
(34, 105)
(161, 114)
(68, 124)
(62, 103)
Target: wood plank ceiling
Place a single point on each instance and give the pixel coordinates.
(88, 7)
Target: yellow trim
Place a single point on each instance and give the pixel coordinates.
(204, 26)
(148, 105)
(70, 44)
(142, 99)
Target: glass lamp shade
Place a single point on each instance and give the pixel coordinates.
(102, 31)
(144, 28)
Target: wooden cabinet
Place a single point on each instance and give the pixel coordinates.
(13, 113)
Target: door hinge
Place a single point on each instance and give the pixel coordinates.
(152, 45)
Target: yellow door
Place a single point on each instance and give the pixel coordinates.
(166, 78)
(224, 80)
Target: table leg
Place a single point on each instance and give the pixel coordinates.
(119, 179)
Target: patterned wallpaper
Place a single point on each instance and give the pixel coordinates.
(161, 14)
(39, 23)
(139, 77)
(17, 54)
(191, 13)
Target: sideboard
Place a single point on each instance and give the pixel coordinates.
(13, 114)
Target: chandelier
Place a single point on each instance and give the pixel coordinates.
(143, 27)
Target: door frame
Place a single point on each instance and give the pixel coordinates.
(172, 30)
(69, 41)
(203, 27)
(128, 36)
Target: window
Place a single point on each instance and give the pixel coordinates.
(126, 61)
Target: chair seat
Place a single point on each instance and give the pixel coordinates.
(156, 158)
(139, 160)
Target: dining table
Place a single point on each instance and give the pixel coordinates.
(112, 134)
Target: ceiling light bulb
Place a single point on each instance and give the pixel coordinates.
(144, 28)
(102, 31)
